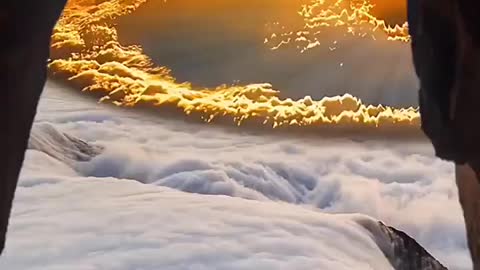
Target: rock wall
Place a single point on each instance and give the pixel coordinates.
(25, 30)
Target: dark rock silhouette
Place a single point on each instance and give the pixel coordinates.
(25, 30)
(446, 53)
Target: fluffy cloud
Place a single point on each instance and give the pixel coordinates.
(86, 223)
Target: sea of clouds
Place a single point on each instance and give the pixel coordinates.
(152, 193)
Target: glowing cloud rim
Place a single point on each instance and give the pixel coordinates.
(87, 53)
(353, 16)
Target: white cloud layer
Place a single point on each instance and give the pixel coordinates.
(82, 215)
(111, 224)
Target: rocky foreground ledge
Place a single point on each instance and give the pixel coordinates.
(407, 253)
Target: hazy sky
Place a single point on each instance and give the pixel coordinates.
(219, 42)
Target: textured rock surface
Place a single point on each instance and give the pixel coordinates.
(62, 146)
(407, 253)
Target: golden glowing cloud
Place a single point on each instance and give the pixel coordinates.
(354, 16)
(86, 52)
